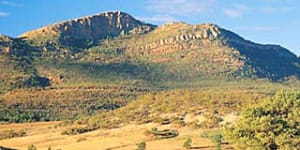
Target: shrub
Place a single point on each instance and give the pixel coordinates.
(187, 143)
(218, 141)
(76, 130)
(163, 134)
(8, 134)
(212, 120)
(215, 136)
(31, 147)
(141, 146)
(271, 124)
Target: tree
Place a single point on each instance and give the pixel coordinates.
(271, 124)
(187, 143)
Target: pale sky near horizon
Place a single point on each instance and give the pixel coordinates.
(261, 21)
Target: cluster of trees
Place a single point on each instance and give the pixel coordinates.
(19, 116)
(272, 124)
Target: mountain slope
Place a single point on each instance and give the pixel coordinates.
(179, 50)
(16, 64)
(206, 50)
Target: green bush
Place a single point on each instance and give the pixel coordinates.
(218, 141)
(187, 143)
(215, 136)
(271, 124)
(31, 147)
(141, 146)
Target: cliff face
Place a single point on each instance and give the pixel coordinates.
(88, 31)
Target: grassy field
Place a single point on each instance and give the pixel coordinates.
(192, 108)
(44, 135)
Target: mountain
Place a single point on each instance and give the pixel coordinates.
(115, 46)
(104, 61)
(204, 50)
(179, 50)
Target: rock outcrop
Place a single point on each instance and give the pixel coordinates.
(5, 44)
(86, 31)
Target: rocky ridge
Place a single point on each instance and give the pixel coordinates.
(201, 50)
(89, 30)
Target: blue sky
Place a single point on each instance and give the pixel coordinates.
(262, 21)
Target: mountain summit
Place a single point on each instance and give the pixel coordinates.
(89, 30)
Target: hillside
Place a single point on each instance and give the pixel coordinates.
(204, 50)
(16, 62)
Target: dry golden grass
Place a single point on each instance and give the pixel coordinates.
(43, 135)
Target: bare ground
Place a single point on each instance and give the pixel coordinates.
(44, 135)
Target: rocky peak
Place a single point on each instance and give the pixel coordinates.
(85, 31)
(184, 31)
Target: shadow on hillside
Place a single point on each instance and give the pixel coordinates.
(124, 70)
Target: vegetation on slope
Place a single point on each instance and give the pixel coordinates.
(205, 50)
(271, 124)
(16, 64)
(60, 103)
(175, 105)
(18, 72)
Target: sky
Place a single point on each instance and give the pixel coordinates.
(261, 21)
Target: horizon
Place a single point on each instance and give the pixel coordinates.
(260, 21)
